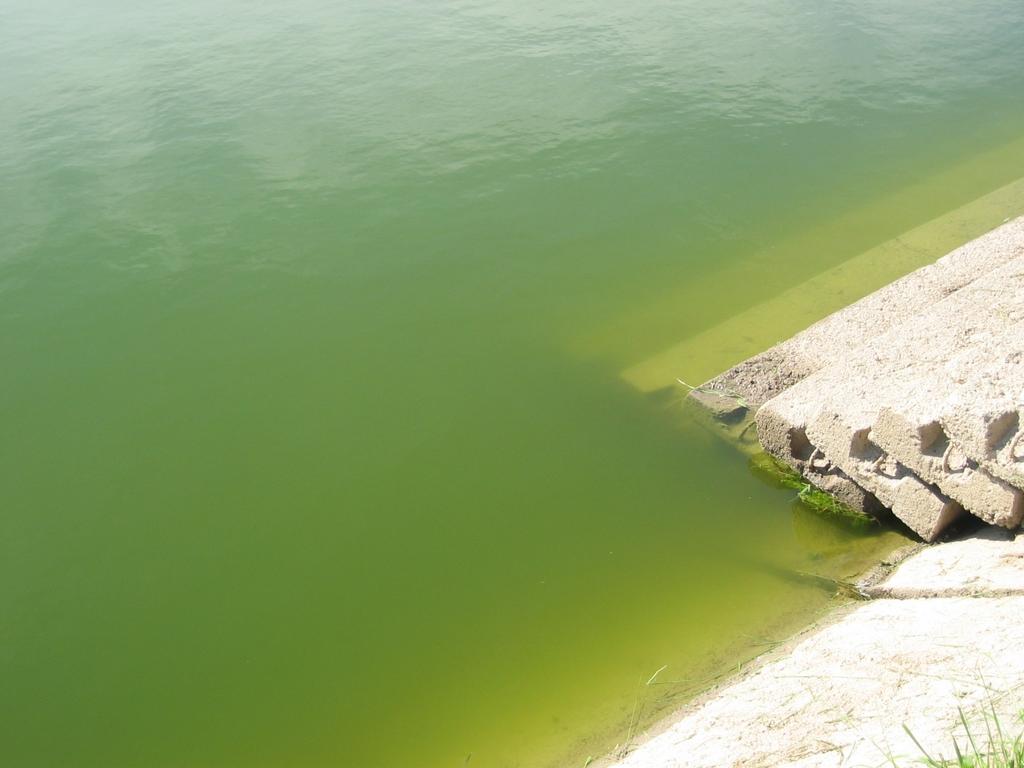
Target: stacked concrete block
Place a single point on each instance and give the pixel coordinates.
(913, 427)
(913, 397)
(922, 507)
(985, 415)
(906, 368)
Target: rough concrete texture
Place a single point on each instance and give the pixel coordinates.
(917, 440)
(903, 479)
(833, 410)
(769, 373)
(843, 439)
(908, 427)
(843, 694)
(983, 413)
(792, 447)
(990, 564)
(937, 497)
(924, 510)
(921, 507)
(989, 432)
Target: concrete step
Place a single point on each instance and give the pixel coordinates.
(921, 506)
(782, 426)
(984, 414)
(895, 365)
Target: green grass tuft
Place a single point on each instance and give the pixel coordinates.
(1000, 751)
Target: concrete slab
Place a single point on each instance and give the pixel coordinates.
(834, 409)
(988, 430)
(834, 442)
(885, 451)
(913, 436)
(963, 391)
(923, 508)
(843, 695)
(985, 412)
(990, 564)
(769, 373)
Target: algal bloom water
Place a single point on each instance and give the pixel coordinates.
(316, 445)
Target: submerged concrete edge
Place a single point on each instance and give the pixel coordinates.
(932, 362)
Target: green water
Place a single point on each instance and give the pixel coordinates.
(314, 446)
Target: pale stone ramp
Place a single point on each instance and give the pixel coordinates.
(841, 696)
(989, 564)
(782, 426)
(883, 414)
(843, 333)
(768, 373)
(834, 409)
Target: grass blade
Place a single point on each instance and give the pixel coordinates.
(913, 738)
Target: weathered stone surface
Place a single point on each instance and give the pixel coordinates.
(960, 389)
(832, 441)
(983, 412)
(989, 564)
(882, 352)
(840, 696)
(842, 439)
(921, 507)
(835, 409)
(766, 375)
(924, 510)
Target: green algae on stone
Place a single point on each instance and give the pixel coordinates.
(777, 474)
